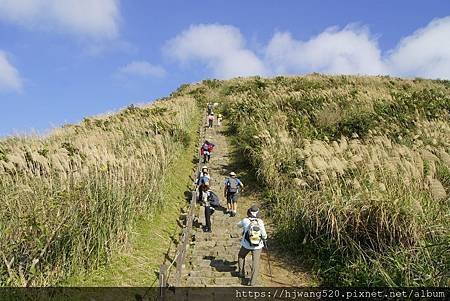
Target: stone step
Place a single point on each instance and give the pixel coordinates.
(199, 281)
(207, 281)
(211, 273)
(213, 254)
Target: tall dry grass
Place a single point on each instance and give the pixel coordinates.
(67, 200)
(356, 171)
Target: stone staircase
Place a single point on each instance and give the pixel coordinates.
(212, 260)
(212, 257)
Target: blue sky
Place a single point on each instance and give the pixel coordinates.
(62, 60)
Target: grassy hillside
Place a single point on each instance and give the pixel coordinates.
(356, 171)
(67, 200)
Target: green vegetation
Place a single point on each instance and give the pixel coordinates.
(69, 200)
(151, 236)
(356, 170)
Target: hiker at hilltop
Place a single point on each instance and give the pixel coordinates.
(231, 192)
(210, 201)
(202, 178)
(253, 239)
(219, 120)
(210, 108)
(206, 150)
(210, 120)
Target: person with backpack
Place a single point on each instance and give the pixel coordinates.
(253, 240)
(210, 120)
(206, 150)
(202, 178)
(205, 201)
(211, 201)
(231, 192)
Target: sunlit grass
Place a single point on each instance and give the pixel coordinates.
(68, 200)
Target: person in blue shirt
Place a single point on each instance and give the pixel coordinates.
(233, 187)
(203, 177)
(253, 240)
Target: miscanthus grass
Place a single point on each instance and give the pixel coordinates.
(67, 200)
(356, 171)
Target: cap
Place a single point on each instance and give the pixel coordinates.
(253, 211)
(205, 167)
(254, 208)
(232, 173)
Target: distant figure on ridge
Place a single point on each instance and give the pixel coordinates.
(231, 192)
(206, 150)
(253, 239)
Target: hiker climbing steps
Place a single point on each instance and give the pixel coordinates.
(212, 256)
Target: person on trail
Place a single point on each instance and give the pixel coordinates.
(210, 120)
(231, 192)
(202, 178)
(254, 237)
(219, 120)
(210, 108)
(211, 201)
(206, 150)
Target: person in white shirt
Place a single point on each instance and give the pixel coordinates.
(253, 239)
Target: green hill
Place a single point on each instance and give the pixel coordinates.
(356, 170)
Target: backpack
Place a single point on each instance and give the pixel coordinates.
(203, 179)
(205, 147)
(214, 199)
(232, 185)
(253, 234)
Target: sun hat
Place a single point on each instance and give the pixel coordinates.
(232, 173)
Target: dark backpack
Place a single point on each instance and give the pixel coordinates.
(213, 199)
(232, 185)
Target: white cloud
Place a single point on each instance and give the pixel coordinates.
(143, 69)
(220, 47)
(9, 76)
(425, 53)
(351, 50)
(347, 51)
(94, 18)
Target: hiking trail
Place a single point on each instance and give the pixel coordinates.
(211, 258)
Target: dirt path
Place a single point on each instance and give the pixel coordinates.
(212, 258)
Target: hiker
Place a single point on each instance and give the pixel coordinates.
(206, 150)
(231, 192)
(211, 201)
(210, 108)
(219, 120)
(253, 240)
(202, 178)
(210, 120)
(205, 201)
